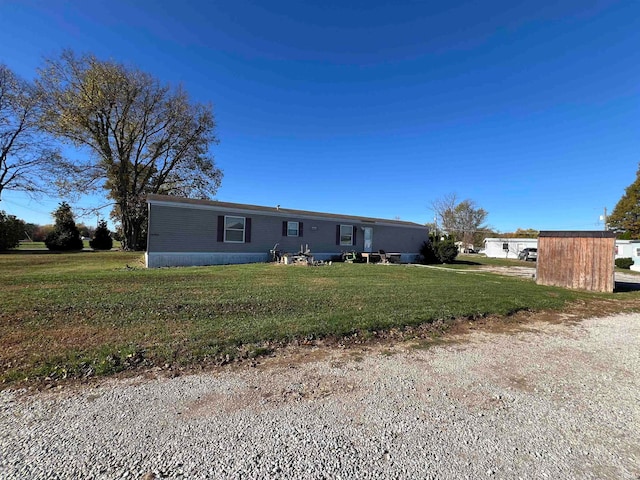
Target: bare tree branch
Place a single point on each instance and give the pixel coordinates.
(464, 220)
(27, 156)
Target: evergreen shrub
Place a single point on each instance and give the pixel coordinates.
(624, 263)
(11, 231)
(65, 235)
(102, 238)
(438, 250)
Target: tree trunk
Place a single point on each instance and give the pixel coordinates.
(130, 235)
(134, 233)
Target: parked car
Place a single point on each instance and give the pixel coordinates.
(528, 254)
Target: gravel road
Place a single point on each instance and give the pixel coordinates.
(550, 401)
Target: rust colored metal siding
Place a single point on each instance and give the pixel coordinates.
(577, 260)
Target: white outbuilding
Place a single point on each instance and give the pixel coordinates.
(629, 249)
(507, 247)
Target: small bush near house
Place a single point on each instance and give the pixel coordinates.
(446, 250)
(11, 231)
(438, 250)
(428, 253)
(624, 263)
(65, 235)
(102, 239)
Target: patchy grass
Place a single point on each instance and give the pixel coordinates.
(91, 313)
(626, 270)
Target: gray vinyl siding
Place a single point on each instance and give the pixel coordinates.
(185, 229)
(396, 239)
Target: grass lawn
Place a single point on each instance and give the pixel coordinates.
(32, 246)
(90, 313)
(42, 246)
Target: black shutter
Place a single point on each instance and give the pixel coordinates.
(220, 228)
(247, 230)
(284, 228)
(355, 229)
(337, 234)
(300, 229)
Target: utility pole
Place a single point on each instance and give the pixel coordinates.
(604, 218)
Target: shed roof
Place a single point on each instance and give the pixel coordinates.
(578, 234)
(154, 198)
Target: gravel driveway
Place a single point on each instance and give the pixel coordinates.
(552, 401)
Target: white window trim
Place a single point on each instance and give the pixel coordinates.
(244, 229)
(297, 229)
(350, 244)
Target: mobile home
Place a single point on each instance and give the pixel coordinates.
(186, 232)
(507, 247)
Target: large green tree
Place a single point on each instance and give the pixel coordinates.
(144, 137)
(26, 155)
(625, 217)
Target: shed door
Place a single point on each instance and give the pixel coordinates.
(368, 239)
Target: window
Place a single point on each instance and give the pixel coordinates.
(505, 246)
(293, 229)
(637, 252)
(234, 229)
(346, 235)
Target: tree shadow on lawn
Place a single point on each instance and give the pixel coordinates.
(464, 262)
(44, 251)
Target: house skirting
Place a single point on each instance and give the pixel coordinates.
(186, 259)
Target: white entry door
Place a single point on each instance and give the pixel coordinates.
(368, 239)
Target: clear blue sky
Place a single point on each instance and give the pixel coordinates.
(378, 108)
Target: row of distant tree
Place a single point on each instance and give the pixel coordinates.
(129, 135)
(63, 235)
(37, 233)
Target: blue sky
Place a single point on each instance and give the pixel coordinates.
(378, 108)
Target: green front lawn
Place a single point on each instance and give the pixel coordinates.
(99, 312)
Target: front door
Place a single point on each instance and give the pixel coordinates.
(368, 239)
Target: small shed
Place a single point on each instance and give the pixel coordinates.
(582, 260)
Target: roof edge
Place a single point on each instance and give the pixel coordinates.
(156, 198)
(578, 234)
